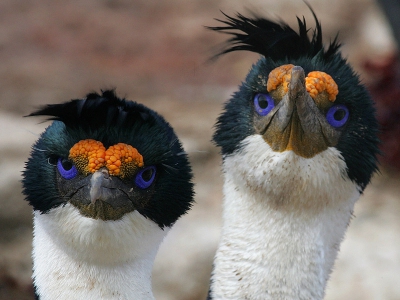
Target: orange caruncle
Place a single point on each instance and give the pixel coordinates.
(122, 159)
(278, 76)
(317, 82)
(88, 156)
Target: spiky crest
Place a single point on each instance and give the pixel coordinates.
(272, 39)
(95, 111)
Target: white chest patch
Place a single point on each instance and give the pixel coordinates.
(284, 218)
(81, 258)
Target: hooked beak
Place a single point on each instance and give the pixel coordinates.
(105, 197)
(97, 183)
(296, 123)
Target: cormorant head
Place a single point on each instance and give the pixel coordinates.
(299, 97)
(108, 157)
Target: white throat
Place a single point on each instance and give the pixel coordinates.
(81, 258)
(284, 218)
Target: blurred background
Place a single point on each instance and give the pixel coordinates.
(156, 53)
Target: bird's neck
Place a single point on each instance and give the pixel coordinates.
(274, 247)
(90, 267)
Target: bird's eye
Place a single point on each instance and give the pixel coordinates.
(145, 177)
(66, 168)
(337, 115)
(263, 104)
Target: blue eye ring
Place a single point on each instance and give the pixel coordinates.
(337, 115)
(141, 181)
(263, 104)
(66, 173)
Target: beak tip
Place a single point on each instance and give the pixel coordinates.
(96, 185)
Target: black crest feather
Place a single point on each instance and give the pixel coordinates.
(274, 40)
(95, 111)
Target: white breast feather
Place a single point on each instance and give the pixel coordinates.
(284, 218)
(82, 258)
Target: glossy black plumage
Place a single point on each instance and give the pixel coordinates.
(274, 40)
(96, 111)
(111, 120)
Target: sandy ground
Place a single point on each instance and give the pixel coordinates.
(156, 53)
